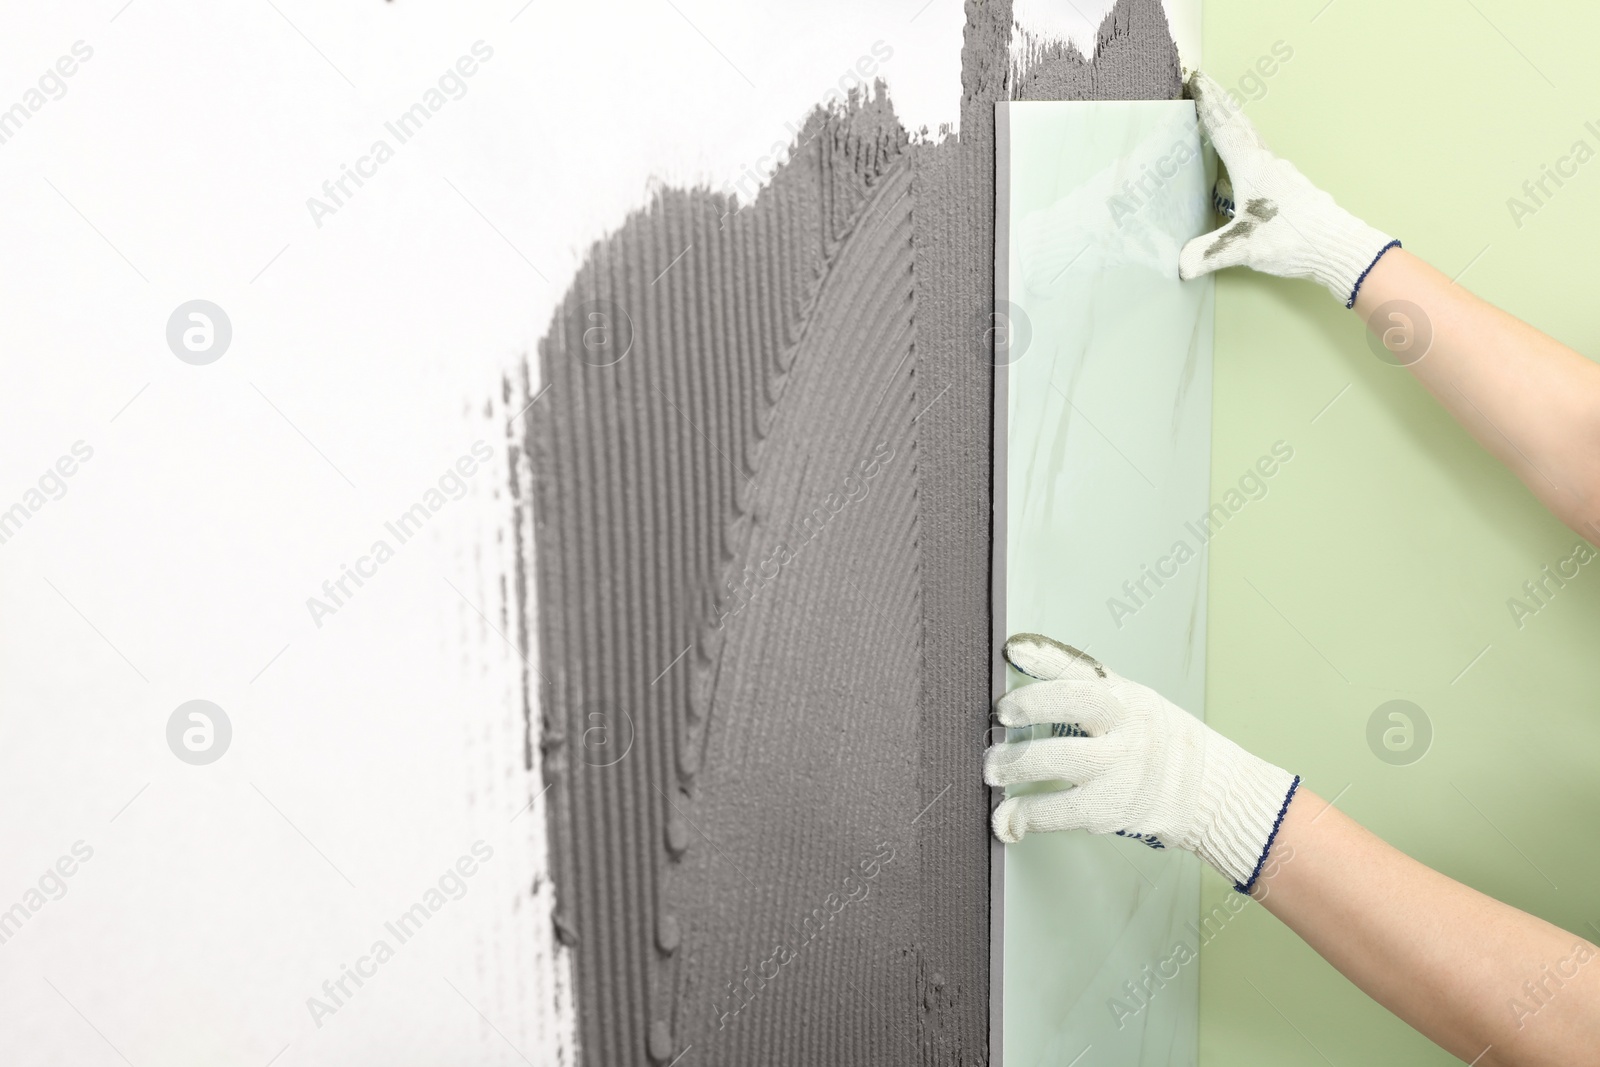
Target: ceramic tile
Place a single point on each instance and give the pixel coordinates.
(1103, 406)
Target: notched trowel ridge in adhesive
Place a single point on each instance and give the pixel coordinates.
(761, 494)
(1135, 59)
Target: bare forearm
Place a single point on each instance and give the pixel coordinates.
(1530, 400)
(1467, 971)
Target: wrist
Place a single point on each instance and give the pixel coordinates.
(1332, 245)
(1344, 252)
(1253, 799)
(1355, 289)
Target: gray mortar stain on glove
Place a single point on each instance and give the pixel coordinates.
(1258, 209)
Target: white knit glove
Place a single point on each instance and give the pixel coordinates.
(1141, 766)
(1282, 224)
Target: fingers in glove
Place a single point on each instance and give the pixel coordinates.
(1051, 759)
(1016, 817)
(1047, 659)
(1090, 704)
(1224, 122)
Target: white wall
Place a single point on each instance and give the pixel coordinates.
(371, 752)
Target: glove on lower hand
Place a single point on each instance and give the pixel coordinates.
(1283, 224)
(1141, 766)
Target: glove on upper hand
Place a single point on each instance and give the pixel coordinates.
(1141, 766)
(1283, 224)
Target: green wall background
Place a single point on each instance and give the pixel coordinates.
(1379, 563)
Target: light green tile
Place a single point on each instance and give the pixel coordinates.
(1103, 433)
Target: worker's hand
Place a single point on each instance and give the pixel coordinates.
(1282, 223)
(1140, 765)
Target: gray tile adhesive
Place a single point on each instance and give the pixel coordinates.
(761, 495)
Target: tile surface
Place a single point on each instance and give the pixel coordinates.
(1103, 406)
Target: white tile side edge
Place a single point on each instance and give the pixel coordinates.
(997, 569)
